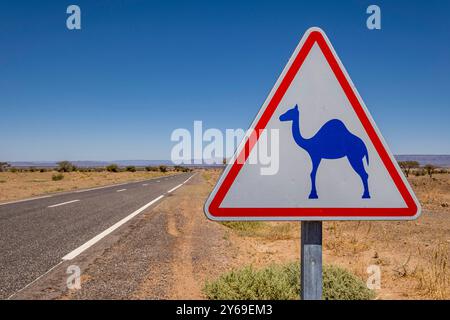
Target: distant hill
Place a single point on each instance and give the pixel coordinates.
(423, 159)
(92, 164)
(436, 160)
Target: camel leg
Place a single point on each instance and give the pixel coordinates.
(358, 166)
(315, 165)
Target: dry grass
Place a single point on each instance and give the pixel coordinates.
(21, 185)
(434, 278)
(265, 230)
(412, 255)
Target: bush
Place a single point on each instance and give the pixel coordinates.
(42, 170)
(130, 168)
(66, 166)
(150, 168)
(407, 166)
(57, 177)
(4, 166)
(429, 169)
(181, 168)
(13, 170)
(282, 282)
(112, 168)
(163, 168)
(419, 173)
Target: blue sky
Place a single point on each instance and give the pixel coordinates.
(139, 69)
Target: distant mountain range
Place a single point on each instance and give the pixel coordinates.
(91, 164)
(94, 164)
(442, 160)
(436, 160)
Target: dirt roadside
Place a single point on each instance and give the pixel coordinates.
(171, 250)
(165, 253)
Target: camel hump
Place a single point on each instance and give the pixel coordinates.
(335, 125)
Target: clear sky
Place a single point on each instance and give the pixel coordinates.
(139, 69)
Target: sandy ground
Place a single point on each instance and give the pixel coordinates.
(170, 251)
(22, 185)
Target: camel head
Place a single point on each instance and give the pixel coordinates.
(290, 115)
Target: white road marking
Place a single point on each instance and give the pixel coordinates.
(189, 178)
(100, 236)
(104, 187)
(47, 272)
(158, 181)
(145, 184)
(121, 190)
(24, 200)
(63, 203)
(173, 189)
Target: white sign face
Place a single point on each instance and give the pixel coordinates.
(333, 161)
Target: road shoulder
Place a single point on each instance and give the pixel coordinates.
(167, 252)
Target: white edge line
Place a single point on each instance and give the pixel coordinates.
(100, 236)
(121, 190)
(48, 271)
(63, 203)
(189, 178)
(24, 200)
(175, 188)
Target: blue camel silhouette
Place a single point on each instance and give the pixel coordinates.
(332, 141)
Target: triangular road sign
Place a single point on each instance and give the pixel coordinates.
(333, 162)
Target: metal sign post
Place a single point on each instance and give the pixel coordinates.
(311, 260)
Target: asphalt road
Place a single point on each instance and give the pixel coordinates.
(35, 235)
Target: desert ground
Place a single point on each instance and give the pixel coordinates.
(20, 185)
(169, 252)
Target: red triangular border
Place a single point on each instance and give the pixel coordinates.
(214, 209)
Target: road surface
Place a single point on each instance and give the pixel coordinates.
(38, 234)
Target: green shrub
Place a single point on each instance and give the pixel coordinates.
(419, 173)
(181, 168)
(13, 170)
(150, 168)
(163, 168)
(42, 170)
(66, 166)
(57, 176)
(130, 168)
(112, 168)
(407, 166)
(4, 166)
(282, 282)
(429, 169)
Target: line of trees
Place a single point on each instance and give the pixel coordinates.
(408, 166)
(67, 166)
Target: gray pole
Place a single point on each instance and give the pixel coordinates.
(311, 260)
